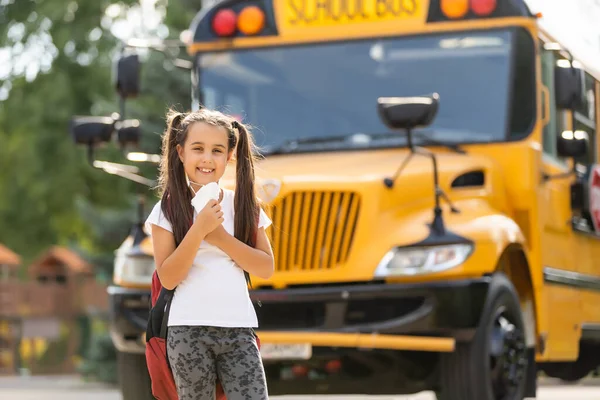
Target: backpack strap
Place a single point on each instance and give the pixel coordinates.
(165, 320)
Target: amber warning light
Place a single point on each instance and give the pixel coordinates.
(459, 8)
(249, 21)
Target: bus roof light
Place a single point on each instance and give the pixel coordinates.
(483, 7)
(224, 23)
(251, 20)
(455, 8)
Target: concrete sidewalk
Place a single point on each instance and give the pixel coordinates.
(52, 382)
(75, 383)
(73, 388)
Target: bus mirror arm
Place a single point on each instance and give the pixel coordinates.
(438, 223)
(404, 114)
(547, 177)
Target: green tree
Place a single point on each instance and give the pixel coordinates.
(61, 62)
(62, 54)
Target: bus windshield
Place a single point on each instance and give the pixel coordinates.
(294, 93)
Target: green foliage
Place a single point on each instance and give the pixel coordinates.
(101, 361)
(84, 325)
(49, 194)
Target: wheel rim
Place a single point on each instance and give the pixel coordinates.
(508, 355)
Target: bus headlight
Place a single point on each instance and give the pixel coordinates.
(133, 270)
(406, 261)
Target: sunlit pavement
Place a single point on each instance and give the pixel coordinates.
(70, 388)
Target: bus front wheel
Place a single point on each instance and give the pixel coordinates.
(494, 364)
(134, 379)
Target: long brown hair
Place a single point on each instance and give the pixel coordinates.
(177, 196)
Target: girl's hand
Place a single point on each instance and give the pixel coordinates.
(210, 217)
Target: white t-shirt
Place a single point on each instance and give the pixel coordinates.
(215, 292)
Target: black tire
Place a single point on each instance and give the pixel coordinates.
(575, 377)
(493, 366)
(571, 372)
(134, 379)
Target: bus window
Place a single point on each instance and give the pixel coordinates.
(585, 119)
(235, 106)
(322, 90)
(523, 101)
(210, 97)
(557, 117)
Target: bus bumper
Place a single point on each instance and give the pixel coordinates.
(371, 338)
(342, 314)
(128, 315)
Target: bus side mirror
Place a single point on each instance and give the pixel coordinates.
(127, 79)
(91, 130)
(569, 82)
(408, 112)
(572, 144)
(128, 132)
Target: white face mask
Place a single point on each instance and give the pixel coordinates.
(190, 182)
(210, 191)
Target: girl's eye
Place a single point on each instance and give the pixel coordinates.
(217, 151)
(197, 149)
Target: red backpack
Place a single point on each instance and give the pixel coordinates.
(161, 375)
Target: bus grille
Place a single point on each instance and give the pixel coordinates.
(313, 230)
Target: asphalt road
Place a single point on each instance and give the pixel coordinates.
(70, 388)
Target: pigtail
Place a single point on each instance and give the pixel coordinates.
(176, 198)
(176, 194)
(245, 202)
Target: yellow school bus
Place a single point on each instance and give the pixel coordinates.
(430, 170)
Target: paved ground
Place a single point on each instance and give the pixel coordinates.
(70, 388)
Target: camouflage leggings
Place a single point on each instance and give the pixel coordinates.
(200, 354)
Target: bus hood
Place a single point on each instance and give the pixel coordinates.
(365, 171)
(332, 212)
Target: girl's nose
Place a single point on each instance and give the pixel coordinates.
(206, 157)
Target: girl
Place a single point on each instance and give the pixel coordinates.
(205, 255)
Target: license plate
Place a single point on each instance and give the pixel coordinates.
(297, 351)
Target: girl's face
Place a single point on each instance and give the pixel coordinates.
(205, 154)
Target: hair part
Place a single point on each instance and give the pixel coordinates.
(177, 196)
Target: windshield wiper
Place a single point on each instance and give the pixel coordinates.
(423, 137)
(291, 145)
(358, 140)
(435, 142)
